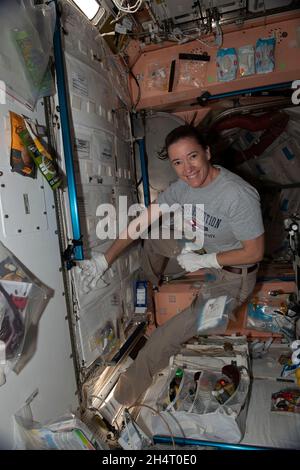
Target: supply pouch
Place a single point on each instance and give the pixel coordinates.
(64, 433)
(22, 301)
(264, 55)
(226, 64)
(158, 76)
(246, 60)
(214, 305)
(40, 156)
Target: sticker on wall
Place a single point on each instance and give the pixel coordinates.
(82, 147)
(79, 84)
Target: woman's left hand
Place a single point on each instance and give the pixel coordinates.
(192, 262)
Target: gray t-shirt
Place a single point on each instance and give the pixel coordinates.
(232, 210)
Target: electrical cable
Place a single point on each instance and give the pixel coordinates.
(126, 427)
(158, 414)
(135, 425)
(130, 9)
(139, 89)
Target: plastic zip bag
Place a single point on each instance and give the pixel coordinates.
(192, 73)
(158, 76)
(264, 317)
(26, 40)
(64, 433)
(214, 304)
(264, 55)
(22, 301)
(11, 327)
(226, 64)
(246, 60)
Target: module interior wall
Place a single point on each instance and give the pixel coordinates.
(50, 369)
(103, 169)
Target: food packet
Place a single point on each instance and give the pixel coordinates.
(20, 160)
(226, 64)
(264, 55)
(246, 60)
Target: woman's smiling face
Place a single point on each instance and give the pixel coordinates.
(191, 162)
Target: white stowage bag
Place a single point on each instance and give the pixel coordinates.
(66, 432)
(217, 426)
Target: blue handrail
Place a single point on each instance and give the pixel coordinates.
(144, 170)
(275, 86)
(182, 441)
(66, 135)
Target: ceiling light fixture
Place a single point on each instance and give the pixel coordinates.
(88, 7)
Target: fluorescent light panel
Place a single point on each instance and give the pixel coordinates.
(88, 7)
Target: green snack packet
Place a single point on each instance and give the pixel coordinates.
(40, 156)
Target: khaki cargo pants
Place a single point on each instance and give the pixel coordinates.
(168, 338)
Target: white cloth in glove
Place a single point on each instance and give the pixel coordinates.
(192, 246)
(192, 262)
(92, 270)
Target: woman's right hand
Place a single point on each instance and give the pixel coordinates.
(93, 269)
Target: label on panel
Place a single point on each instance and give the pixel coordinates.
(92, 96)
(103, 152)
(79, 83)
(82, 147)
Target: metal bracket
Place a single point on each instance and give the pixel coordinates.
(70, 253)
(202, 99)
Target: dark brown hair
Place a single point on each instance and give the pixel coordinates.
(183, 132)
